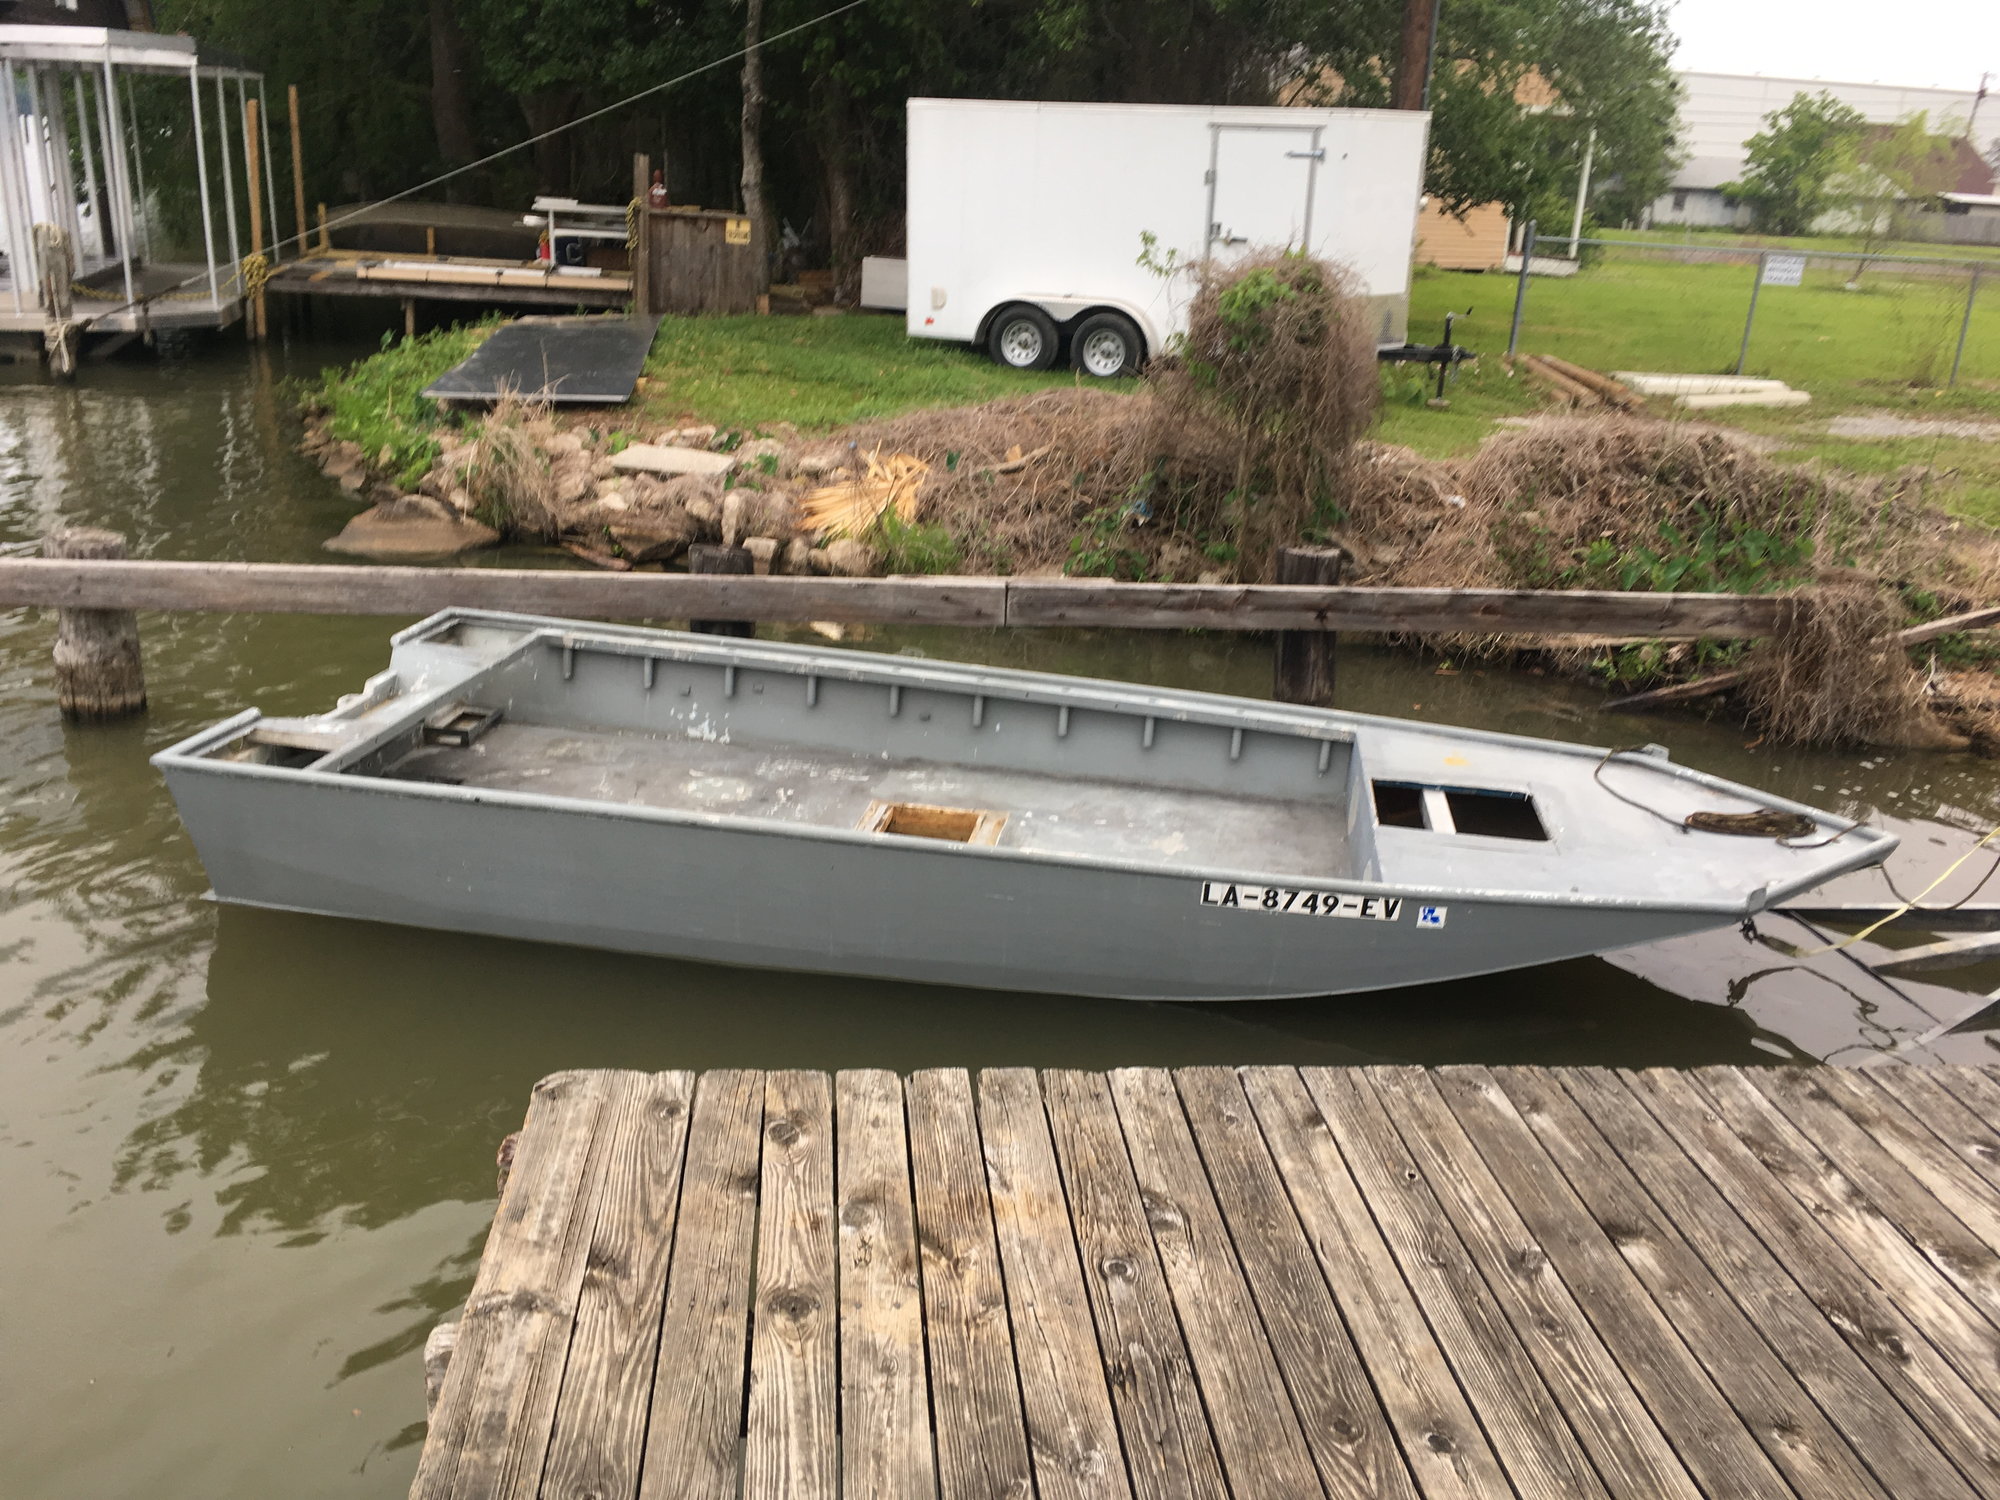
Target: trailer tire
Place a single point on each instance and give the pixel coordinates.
(1022, 337)
(1107, 346)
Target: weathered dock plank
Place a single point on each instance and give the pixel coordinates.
(1072, 1436)
(790, 1442)
(1530, 1434)
(606, 1397)
(982, 1439)
(1441, 1285)
(693, 1450)
(885, 1402)
(1256, 1430)
(306, 588)
(1167, 1442)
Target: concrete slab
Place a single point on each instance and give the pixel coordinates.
(652, 458)
(1783, 397)
(1649, 383)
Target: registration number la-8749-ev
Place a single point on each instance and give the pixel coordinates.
(1298, 903)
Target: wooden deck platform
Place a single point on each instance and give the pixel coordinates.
(448, 279)
(1262, 1283)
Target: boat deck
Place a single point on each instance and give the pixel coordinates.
(1281, 1283)
(811, 785)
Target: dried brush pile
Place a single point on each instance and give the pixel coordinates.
(507, 471)
(1835, 676)
(1242, 442)
(1279, 362)
(1617, 502)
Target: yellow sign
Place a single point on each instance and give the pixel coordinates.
(737, 231)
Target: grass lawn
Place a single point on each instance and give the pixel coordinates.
(1888, 342)
(1884, 347)
(813, 372)
(1681, 234)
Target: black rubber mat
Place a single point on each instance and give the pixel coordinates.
(583, 360)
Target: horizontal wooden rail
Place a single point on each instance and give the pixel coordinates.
(285, 588)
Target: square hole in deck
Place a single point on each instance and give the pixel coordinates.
(916, 820)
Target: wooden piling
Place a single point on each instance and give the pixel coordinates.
(1304, 666)
(642, 239)
(255, 162)
(704, 557)
(298, 173)
(99, 674)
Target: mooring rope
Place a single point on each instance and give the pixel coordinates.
(256, 271)
(1910, 904)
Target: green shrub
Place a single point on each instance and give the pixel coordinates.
(379, 403)
(912, 547)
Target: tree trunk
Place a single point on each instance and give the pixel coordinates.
(545, 109)
(451, 99)
(837, 159)
(756, 203)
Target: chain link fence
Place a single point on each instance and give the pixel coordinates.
(1815, 318)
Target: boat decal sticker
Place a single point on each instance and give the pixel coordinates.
(1431, 916)
(1289, 901)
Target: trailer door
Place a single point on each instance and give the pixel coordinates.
(1260, 187)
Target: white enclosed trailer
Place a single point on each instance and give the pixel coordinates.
(1027, 221)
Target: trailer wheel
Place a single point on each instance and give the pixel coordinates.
(1107, 345)
(1022, 337)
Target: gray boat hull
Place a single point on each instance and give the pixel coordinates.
(395, 854)
(738, 802)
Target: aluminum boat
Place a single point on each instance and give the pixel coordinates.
(812, 808)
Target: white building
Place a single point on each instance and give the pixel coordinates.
(1721, 111)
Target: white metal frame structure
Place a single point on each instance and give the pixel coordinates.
(73, 159)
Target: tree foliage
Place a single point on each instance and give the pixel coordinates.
(1797, 163)
(1896, 168)
(833, 132)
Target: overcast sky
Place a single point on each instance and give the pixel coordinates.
(1917, 43)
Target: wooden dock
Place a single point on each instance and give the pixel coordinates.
(1260, 1283)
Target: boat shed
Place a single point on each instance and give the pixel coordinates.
(76, 230)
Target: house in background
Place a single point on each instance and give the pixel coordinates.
(1481, 238)
(1720, 112)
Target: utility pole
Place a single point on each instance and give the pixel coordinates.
(1582, 192)
(1412, 86)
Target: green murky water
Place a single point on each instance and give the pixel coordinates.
(245, 1157)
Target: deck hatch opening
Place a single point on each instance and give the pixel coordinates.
(1399, 804)
(1496, 815)
(459, 725)
(917, 820)
(1455, 809)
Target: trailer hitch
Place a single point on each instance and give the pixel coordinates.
(1445, 356)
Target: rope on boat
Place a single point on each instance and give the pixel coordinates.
(1765, 823)
(1786, 826)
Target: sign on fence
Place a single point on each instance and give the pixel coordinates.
(1784, 270)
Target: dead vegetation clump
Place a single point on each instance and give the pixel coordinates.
(1279, 362)
(1617, 502)
(508, 473)
(1016, 481)
(1835, 676)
